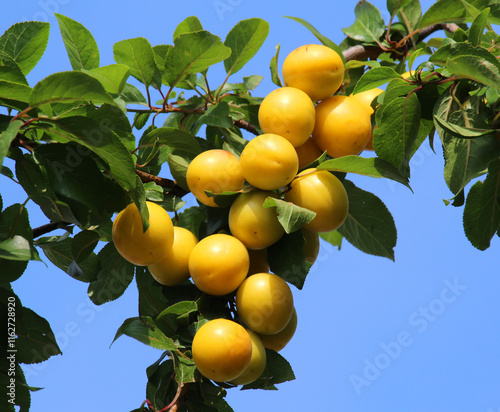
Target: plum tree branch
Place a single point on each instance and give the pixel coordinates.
(360, 52)
(49, 227)
(170, 185)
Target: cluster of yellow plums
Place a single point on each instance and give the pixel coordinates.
(296, 131)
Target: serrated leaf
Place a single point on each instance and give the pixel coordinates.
(193, 53)
(393, 6)
(35, 341)
(83, 244)
(397, 131)
(79, 42)
(460, 131)
(185, 369)
(14, 91)
(112, 77)
(217, 115)
(477, 27)
(410, 15)
(67, 87)
(291, 216)
(10, 70)
(278, 370)
(25, 42)
(16, 248)
(151, 299)
(113, 278)
(371, 166)
(375, 77)
(443, 11)
(477, 69)
(7, 136)
(369, 225)
(369, 25)
(323, 39)
(251, 82)
(244, 40)
(482, 209)
(334, 238)
(188, 25)
(182, 308)
(286, 259)
(137, 54)
(145, 330)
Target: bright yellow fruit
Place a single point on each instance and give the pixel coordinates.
(257, 364)
(279, 340)
(321, 192)
(249, 221)
(218, 264)
(264, 302)
(308, 153)
(269, 162)
(314, 69)
(173, 268)
(343, 126)
(222, 349)
(366, 98)
(216, 171)
(139, 247)
(288, 112)
(311, 245)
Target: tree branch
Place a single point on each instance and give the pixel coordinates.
(49, 227)
(170, 185)
(360, 52)
(243, 124)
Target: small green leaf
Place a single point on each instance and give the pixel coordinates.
(286, 258)
(323, 39)
(375, 77)
(371, 166)
(145, 330)
(278, 370)
(443, 11)
(275, 74)
(393, 6)
(179, 309)
(112, 77)
(244, 40)
(7, 136)
(188, 25)
(217, 115)
(83, 244)
(114, 277)
(369, 225)
(25, 42)
(477, 27)
(137, 54)
(334, 238)
(482, 209)
(16, 248)
(67, 87)
(251, 82)
(193, 53)
(369, 25)
(291, 216)
(460, 131)
(14, 91)
(185, 369)
(10, 70)
(80, 44)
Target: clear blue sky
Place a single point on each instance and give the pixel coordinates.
(418, 334)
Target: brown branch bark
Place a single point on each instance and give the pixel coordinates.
(49, 227)
(170, 185)
(243, 124)
(360, 52)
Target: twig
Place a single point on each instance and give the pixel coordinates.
(170, 185)
(49, 227)
(243, 124)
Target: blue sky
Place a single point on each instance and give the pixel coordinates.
(417, 334)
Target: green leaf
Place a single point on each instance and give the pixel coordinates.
(397, 131)
(410, 15)
(374, 78)
(188, 25)
(369, 225)
(443, 11)
(137, 54)
(291, 216)
(83, 244)
(35, 341)
(185, 369)
(278, 370)
(217, 115)
(132, 95)
(393, 6)
(25, 42)
(10, 70)
(371, 166)
(179, 309)
(145, 330)
(334, 238)
(14, 91)
(477, 27)
(151, 299)
(67, 87)
(286, 258)
(482, 209)
(193, 53)
(79, 42)
(369, 25)
(114, 277)
(460, 131)
(112, 77)
(251, 82)
(477, 69)
(244, 40)
(7, 136)
(16, 248)
(323, 39)
(275, 74)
